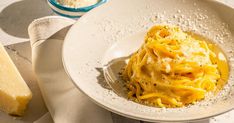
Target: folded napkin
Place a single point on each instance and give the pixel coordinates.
(64, 101)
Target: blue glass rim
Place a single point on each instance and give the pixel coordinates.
(82, 9)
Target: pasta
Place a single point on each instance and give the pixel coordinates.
(173, 69)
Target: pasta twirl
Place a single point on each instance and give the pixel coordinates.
(172, 69)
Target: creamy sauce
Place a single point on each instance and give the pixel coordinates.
(222, 64)
(77, 3)
(221, 56)
(220, 60)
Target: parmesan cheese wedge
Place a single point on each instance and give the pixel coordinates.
(14, 92)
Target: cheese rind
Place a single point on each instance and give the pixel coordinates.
(14, 92)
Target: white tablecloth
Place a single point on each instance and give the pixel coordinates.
(14, 19)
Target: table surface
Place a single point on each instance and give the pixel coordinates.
(15, 17)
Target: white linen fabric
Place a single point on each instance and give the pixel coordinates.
(64, 101)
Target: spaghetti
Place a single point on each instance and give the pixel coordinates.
(173, 69)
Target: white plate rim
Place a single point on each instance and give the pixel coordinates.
(116, 110)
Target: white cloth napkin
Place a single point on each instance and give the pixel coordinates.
(64, 101)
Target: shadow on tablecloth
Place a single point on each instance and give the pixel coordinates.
(15, 18)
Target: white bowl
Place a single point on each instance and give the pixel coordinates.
(102, 39)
